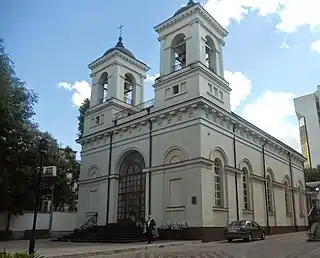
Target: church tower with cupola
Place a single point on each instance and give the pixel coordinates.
(191, 59)
(117, 84)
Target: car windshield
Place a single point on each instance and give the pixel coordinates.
(238, 223)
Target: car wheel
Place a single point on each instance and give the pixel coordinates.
(249, 238)
(229, 240)
(263, 236)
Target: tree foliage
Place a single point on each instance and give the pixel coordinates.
(312, 174)
(82, 110)
(17, 128)
(19, 138)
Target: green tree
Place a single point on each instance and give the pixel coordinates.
(19, 138)
(82, 110)
(68, 169)
(16, 128)
(16, 134)
(312, 174)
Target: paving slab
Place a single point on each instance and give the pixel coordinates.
(292, 245)
(74, 250)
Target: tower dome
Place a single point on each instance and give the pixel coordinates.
(119, 46)
(182, 9)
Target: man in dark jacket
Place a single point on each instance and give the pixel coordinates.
(151, 224)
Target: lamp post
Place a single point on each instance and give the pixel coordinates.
(42, 148)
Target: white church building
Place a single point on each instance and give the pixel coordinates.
(182, 156)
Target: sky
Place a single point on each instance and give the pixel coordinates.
(272, 53)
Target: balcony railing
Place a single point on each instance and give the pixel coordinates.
(106, 100)
(127, 100)
(133, 110)
(102, 100)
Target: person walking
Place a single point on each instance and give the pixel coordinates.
(151, 224)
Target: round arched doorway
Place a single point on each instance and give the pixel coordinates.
(132, 181)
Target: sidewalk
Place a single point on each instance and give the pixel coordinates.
(75, 250)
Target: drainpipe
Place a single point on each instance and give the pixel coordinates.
(109, 174)
(150, 160)
(292, 193)
(307, 198)
(235, 166)
(265, 184)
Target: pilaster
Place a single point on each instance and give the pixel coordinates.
(195, 51)
(113, 204)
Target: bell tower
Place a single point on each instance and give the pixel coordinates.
(191, 58)
(117, 84)
(117, 74)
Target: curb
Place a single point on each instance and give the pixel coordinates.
(124, 250)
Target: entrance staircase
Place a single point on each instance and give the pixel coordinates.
(112, 233)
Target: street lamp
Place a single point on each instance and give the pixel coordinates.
(42, 148)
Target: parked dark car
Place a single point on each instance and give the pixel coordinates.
(245, 229)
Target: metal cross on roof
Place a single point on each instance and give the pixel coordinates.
(120, 28)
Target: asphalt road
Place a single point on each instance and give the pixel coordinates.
(279, 246)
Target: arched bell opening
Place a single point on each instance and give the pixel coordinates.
(210, 54)
(103, 87)
(179, 52)
(129, 85)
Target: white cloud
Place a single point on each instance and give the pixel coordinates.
(80, 91)
(272, 112)
(315, 46)
(284, 45)
(292, 14)
(241, 88)
(151, 78)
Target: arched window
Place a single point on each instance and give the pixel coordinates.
(269, 193)
(287, 197)
(210, 54)
(131, 188)
(179, 52)
(129, 83)
(245, 181)
(217, 183)
(103, 87)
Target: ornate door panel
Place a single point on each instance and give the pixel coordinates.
(131, 199)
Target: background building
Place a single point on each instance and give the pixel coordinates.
(308, 112)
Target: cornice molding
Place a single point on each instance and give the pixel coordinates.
(197, 8)
(257, 177)
(196, 67)
(197, 161)
(278, 184)
(229, 169)
(117, 53)
(228, 119)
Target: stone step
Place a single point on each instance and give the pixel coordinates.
(112, 233)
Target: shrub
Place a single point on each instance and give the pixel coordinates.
(6, 254)
(174, 226)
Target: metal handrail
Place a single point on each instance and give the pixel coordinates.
(133, 110)
(91, 222)
(310, 212)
